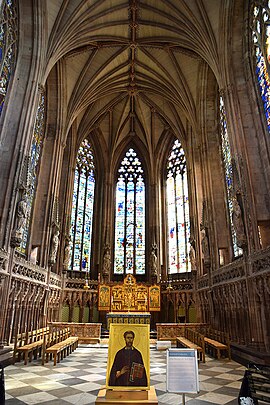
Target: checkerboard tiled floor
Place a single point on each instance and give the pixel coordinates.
(78, 378)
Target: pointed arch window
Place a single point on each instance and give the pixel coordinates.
(129, 250)
(177, 210)
(82, 208)
(33, 166)
(261, 41)
(8, 45)
(228, 171)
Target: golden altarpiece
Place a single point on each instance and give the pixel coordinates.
(128, 302)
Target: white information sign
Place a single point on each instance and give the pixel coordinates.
(182, 371)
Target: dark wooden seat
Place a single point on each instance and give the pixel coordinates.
(58, 345)
(192, 340)
(29, 344)
(217, 343)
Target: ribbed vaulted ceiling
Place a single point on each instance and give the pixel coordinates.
(127, 60)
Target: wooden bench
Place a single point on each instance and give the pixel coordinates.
(193, 340)
(58, 345)
(29, 344)
(217, 343)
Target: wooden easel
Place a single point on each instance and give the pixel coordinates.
(106, 396)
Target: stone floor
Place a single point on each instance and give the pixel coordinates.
(78, 378)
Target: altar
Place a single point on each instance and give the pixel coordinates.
(128, 317)
(129, 297)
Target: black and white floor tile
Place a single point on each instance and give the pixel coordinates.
(78, 378)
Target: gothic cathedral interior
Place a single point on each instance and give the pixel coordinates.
(135, 165)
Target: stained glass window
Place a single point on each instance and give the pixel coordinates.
(33, 165)
(129, 251)
(227, 162)
(82, 208)
(261, 40)
(177, 210)
(8, 45)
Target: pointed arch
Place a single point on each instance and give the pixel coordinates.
(178, 219)
(33, 166)
(228, 173)
(130, 215)
(82, 208)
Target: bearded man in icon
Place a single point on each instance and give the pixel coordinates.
(128, 367)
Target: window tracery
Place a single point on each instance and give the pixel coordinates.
(228, 171)
(82, 209)
(33, 166)
(129, 250)
(261, 41)
(177, 210)
(8, 46)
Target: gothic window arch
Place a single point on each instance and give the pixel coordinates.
(129, 247)
(228, 172)
(33, 167)
(8, 45)
(82, 208)
(261, 52)
(177, 210)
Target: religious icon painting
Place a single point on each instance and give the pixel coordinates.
(128, 357)
(104, 297)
